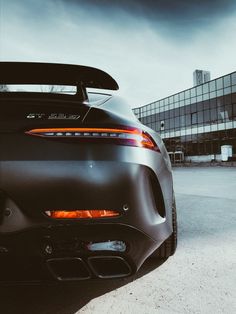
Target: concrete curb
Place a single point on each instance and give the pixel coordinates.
(206, 164)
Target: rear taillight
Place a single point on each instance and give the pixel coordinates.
(81, 214)
(129, 137)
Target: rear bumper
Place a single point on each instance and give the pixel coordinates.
(25, 255)
(29, 188)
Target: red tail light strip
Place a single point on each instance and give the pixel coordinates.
(129, 137)
(81, 214)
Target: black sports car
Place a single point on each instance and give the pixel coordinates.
(85, 189)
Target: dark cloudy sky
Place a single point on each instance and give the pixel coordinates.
(150, 47)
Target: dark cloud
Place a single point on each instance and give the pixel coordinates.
(179, 12)
(179, 19)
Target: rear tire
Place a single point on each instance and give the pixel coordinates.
(168, 247)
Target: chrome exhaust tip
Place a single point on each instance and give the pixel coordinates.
(109, 266)
(68, 269)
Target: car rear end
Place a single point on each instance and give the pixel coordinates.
(84, 191)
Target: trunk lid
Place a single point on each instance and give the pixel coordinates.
(25, 114)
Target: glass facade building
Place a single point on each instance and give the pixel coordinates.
(198, 120)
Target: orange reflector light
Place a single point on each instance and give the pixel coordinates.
(81, 214)
(121, 136)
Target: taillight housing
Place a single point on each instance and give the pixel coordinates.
(121, 136)
(81, 213)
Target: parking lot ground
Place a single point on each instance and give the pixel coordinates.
(199, 278)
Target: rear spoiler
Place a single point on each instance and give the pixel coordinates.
(55, 74)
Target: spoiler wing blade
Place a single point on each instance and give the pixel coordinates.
(55, 74)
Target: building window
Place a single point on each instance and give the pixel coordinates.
(187, 94)
(176, 98)
(200, 117)
(193, 92)
(228, 109)
(219, 92)
(212, 86)
(205, 88)
(206, 116)
(194, 118)
(199, 98)
(199, 90)
(227, 90)
(182, 121)
(193, 108)
(233, 78)
(213, 115)
(206, 104)
(181, 96)
(167, 124)
(212, 94)
(219, 83)
(227, 82)
(177, 123)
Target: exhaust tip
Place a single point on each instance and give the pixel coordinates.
(109, 266)
(69, 268)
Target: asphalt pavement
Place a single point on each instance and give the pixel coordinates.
(200, 278)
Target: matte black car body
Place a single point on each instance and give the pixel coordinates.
(39, 174)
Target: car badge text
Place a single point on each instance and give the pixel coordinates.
(53, 116)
